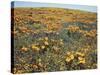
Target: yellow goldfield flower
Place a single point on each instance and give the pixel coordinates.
(42, 47)
(68, 53)
(40, 65)
(68, 59)
(35, 47)
(46, 38)
(81, 60)
(80, 54)
(40, 38)
(55, 48)
(24, 48)
(61, 39)
(15, 70)
(46, 43)
(72, 56)
(61, 43)
(39, 60)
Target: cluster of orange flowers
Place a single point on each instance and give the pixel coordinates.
(91, 33)
(45, 42)
(23, 29)
(72, 28)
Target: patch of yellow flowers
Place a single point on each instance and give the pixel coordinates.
(61, 42)
(34, 47)
(72, 28)
(70, 56)
(42, 47)
(24, 49)
(81, 60)
(37, 48)
(46, 38)
(80, 54)
(46, 41)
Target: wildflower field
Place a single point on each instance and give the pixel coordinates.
(53, 39)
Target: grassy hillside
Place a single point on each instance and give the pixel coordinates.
(53, 39)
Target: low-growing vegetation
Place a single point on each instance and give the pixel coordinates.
(53, 39)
